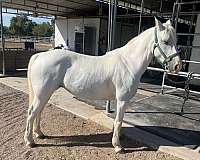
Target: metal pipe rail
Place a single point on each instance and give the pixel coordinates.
(187, 61)
(186, 3)
(188, 34)
(185, 46)
(180, 89)
(182, 74)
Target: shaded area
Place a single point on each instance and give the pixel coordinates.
(160, 115)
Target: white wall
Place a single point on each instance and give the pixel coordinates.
(64, 31)
(61, 32)
(195, 54)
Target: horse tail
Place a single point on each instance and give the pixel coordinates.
(30, 87)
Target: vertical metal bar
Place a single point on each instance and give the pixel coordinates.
(161, 4)
(83, 27)
(109, 25)
(114, 24)
(111, 34)
(109, 44)
(177, 14)
(187, 53)
(67, 32)
(2, 42)
(163, 82)
(140, 20)
(174, 12)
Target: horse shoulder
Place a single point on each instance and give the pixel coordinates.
(125, 82)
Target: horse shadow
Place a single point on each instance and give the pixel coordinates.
(180, 137)
(99, 140)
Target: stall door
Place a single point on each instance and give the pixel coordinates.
(90, 41)
(78, 42)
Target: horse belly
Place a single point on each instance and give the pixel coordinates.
(90, 89)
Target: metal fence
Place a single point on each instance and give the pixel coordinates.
(190, 15)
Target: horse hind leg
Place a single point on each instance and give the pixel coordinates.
(33, 110)
(36, 127)
(34, 113)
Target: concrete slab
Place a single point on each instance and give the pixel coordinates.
(156, 115)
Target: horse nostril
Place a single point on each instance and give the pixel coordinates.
(176, 67)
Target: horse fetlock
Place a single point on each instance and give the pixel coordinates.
(29, 142)
(39, 134)
(119, 149)
(115, 142)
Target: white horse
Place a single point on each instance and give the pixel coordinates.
(115, 75)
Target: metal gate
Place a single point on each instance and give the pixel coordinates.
(184, 13)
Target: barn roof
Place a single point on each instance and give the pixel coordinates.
(65, 8)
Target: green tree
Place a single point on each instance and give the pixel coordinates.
(6, 31)
(21, 26)
(43, 30)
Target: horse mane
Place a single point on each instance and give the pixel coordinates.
(130, 42)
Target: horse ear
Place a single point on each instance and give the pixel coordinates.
(169, 22)
(159, 24)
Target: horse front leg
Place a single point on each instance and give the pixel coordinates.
(121, 107)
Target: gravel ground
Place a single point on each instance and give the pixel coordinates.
(69, 137)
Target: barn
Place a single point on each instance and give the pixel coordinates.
(95, 27)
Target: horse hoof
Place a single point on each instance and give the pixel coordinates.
(119, 149)
(30, 144)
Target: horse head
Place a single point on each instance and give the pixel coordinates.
(165, 49)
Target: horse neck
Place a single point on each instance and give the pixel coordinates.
(138, 52)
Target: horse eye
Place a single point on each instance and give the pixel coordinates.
(166, 42)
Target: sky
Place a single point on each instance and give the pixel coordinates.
(7, 17)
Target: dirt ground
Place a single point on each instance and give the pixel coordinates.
(69, 137)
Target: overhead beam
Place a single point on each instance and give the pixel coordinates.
(46, 10)
(28, 13)
(81, 3)
(32, 10)
(65, 7)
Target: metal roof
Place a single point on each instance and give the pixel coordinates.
(67, 8)
(53, 7)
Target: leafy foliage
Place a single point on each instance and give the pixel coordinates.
(22, 26)
(44, 29)
(6, 30)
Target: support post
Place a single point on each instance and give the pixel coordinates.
(111, 34)
(140, 20)
(163, 83)
(161, 5)
(2, 42)
(113, 24)
(83, 27)
(177, 14)
(173, 13)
